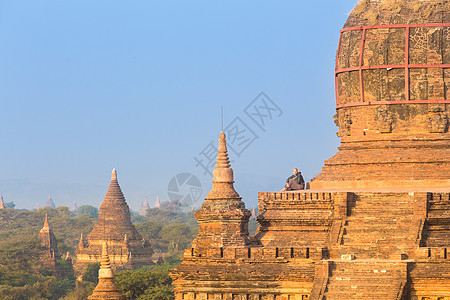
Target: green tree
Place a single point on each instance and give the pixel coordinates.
(145, 284)
(178, 235)
(88, 210)
(149, 230)
(91, 273)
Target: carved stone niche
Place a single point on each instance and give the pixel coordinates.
(437, 120)
(343, 120)
(384, 119)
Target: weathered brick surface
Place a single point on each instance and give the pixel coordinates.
(126, 247)
(373, 226)
(384, 142)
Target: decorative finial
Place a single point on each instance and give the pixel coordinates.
(46, 222)
(105, 265)
(81, 243)
(2, 204)
(114, 175)
(222, 157)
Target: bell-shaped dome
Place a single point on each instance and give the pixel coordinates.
(392, 97)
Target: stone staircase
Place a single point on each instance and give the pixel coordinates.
(379, 226)
(366, 279)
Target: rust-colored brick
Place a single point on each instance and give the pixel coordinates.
(376, 223)
(126, 248)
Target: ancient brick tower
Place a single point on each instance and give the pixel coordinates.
(49, 246)
(106, 287)
(223, 219)
(376, 222)
(126, 247)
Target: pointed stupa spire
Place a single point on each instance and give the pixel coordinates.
(222, 156)
(146, 206)
(48, 239)
(50, 202)
(46, 226)
(114, 191)
(2, 203)
(81, 244)
(223, 177)
(105, 264)
(114, 217)
(223, 212)
(157, 204)
(106, 288)
(74, 206)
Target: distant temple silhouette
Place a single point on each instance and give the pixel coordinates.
(127, 248)
(50, 202)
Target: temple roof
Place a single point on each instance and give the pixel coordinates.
(114, 216)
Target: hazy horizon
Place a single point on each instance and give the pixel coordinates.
(86, 87)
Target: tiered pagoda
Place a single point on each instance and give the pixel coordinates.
(376, 222)
(126, 248)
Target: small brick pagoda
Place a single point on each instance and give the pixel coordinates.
(106, 287)
(49, 246)
(376, 222)
(126, 248)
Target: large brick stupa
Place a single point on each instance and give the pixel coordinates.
(392, 97)
(126, 247)
(376, 222)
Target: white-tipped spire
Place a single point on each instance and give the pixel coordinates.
(105, 266)
(114, 174)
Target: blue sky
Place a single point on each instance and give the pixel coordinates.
(88, 86)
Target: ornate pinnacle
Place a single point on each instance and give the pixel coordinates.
(223, 171)
(46, 226)
(222, 157)
(105, 266)
(81, 243)
(114, 175)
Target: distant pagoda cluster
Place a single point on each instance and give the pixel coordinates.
(126, 247)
